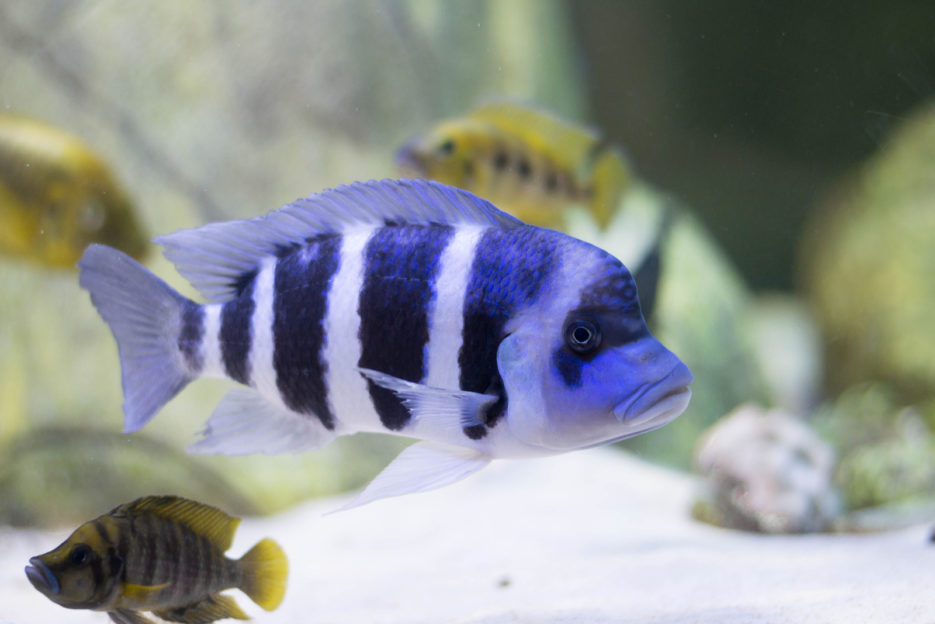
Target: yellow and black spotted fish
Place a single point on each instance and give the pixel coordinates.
(163, 554)
(529, 163)
(57, 197)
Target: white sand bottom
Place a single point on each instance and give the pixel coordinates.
(591, 537)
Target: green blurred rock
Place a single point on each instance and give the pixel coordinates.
(891, 471)
(62, 476)
(886, 450)
(868, 262)
(701, 314)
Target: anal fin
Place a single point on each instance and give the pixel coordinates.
(126, 616)
(245, 422)
(212, 608)
(420, 468)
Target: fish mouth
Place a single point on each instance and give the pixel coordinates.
(42, 577)
(659, 403)
(409, 162)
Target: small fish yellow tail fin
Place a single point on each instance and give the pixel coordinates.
(610, 176)
(264, 569)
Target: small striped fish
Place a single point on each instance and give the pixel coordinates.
(526, 161)
(163, 554)
(402, 307)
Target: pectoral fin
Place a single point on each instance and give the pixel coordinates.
(208, 610)
(420, 468)
(142, 594)
(441, 410)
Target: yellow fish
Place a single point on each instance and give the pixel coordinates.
(57, 196)
(163, 554)
(525, 161)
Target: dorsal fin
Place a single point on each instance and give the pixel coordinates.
(203, 519)
(215, 257)
(536, 126)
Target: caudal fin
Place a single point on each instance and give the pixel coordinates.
(144, 314)
(264, 569)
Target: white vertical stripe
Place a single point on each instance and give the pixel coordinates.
(446, 318)
(262, 371)
(347, 390)
(210, 342)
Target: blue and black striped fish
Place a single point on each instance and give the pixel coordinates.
(403, 307)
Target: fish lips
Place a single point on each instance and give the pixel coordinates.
(661, 401)
(42, 577)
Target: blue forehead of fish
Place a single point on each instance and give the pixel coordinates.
(612, 304)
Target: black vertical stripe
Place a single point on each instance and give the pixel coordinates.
(101, 532)
(217, 563)
(147, 538)
(400, 268)
(191, 334)
(509, 270)
(300, 302)
(195, 572)
(97, 572)
(120, 554)
(236, 336)
(175, 557)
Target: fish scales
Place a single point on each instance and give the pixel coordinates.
(191, 335)
(400, 270)
(196, 576)
(348, 393)
(236, 335)
(300, 302)
(211, 363)
(262, 355)
(529, 258)
(148, 562)
(403, 307)
(176, 557)
(446, 318)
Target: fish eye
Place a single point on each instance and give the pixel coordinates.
(80, 555)
(582, 336)
(447, 148)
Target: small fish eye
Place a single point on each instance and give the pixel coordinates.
(80, 555)
(447, 148)
(582, 336)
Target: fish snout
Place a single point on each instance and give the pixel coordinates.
(408, 160)
(42, 577)
(660, 402)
